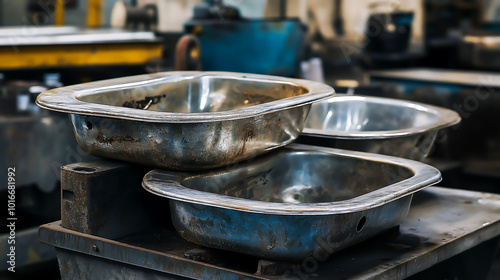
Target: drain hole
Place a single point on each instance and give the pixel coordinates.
(88, 124)
(297, 196)
(361, 224)
(68, 195)
(86, 169)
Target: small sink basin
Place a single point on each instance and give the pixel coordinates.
(284, 205)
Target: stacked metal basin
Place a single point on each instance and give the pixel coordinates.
(186, 120)
(215, 137)
(377, 125)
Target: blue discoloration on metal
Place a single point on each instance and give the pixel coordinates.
(408, 86)
(286, 237)
(194, 120)
(279, 206)
(257, 46)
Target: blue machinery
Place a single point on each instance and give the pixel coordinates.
(272, 47)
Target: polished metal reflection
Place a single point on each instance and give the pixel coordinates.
(186, 120)
(32, 31)
(377, 125)
(278, 205)
(36, 145)
(479, 51)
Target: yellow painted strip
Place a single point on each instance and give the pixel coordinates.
(59, 13)
(94, 13)
(79, 55)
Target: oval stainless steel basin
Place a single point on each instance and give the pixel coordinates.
(377, 125)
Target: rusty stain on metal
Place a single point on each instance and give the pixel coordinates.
(117, 138)
(143, 103)
(67, 241)
(88, 187)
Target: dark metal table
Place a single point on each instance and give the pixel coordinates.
(442, 224)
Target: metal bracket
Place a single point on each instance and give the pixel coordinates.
(105, 199)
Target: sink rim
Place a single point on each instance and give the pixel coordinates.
(66, 99)
(424, 175)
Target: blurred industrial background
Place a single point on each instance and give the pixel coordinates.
(439, 52)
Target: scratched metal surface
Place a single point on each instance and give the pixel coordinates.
(376, 125)
(278, 206)
(186, 120)
(429, 235)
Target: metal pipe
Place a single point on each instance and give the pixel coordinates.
(94, 13)
(59, 13)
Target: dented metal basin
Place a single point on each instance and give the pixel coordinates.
(376, 125)
(186, 120)
(293, 202)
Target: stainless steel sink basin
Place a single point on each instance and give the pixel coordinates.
(186, 120)
(289, 203)
(377, 125)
